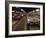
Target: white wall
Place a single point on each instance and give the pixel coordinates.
(2, 19)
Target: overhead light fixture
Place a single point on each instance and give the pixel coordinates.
(37, 9)
(22, 10)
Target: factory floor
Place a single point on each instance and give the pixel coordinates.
(22, 25)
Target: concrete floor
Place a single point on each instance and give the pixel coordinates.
(22, 25)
